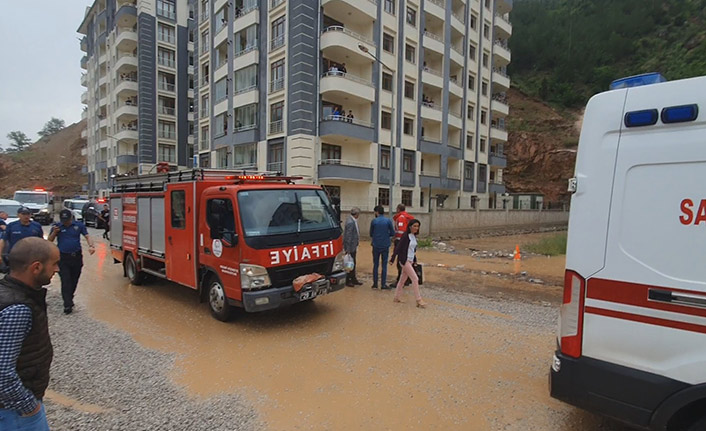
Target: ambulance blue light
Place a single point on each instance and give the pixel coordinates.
(680, 114)
(647, 117)
(637, 80)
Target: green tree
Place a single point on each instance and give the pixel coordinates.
(19, 141)
(52, 126)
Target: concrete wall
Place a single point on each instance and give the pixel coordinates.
(451, 221)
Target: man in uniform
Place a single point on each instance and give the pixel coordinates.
(25, 347)
(69, 234)
(22, 228)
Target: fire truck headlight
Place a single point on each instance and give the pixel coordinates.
(338, 262)
(253, 277)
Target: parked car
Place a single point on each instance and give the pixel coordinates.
(76, 207)
(91, 211)
(10, 207)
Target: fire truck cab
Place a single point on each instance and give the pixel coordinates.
(240, 240)
(632, 327)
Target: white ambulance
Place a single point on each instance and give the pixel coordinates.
(632, 327)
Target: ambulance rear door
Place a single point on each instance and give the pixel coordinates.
(646, 309)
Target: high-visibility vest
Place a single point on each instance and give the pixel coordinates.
(401, 221)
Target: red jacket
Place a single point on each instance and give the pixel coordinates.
(401, 220)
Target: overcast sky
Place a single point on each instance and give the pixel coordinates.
(41, 76)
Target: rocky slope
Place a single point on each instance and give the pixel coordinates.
(54, 162)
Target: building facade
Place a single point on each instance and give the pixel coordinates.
(136, 74)
(380, 101)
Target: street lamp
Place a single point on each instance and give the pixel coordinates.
(392, 119)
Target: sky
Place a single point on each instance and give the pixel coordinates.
(41, 76)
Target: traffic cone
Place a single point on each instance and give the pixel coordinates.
(517, 252)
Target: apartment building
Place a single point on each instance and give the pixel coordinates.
(348, 93)
(136, 74)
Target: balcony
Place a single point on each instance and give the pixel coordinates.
(498, 188)
(498, 105)
(497, 159)
(167, 134)
(127, 85)
(353, 7)
(276, 85)
(277, 42)
(455, 120)
(433, 78)
(346, 85)
(84, 97)
(84, 44)
(166, 62)
(503, 6)
(166, 110)
(340, 127)
(496, 132)
(340, 42)
(503, 28)
(501, 53)
(337, 169)
(458, 21)
(166, 86)
(436, 8)
(127, 159)
(455, 86)
(127, 133)
(127, 39)
(126, 110)
(431, 111)
(433, 42)
(500, 78)
(84, 62)
(276, 127)
(275, 3)
(457, 54)
(126, 60)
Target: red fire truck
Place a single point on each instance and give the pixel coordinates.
(239, 240)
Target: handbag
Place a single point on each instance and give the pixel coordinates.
(420, 273)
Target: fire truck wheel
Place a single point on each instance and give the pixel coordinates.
(136, 277)
(217, 300)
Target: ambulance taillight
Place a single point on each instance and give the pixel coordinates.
(571, 314)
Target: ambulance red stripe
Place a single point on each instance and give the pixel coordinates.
(647, 319)
(637, 294)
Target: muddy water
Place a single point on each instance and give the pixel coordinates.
(350, 360)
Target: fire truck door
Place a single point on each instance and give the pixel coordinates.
(220, 243)
(180, 258)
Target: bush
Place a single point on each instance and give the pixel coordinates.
(552, 246)
(425, 243)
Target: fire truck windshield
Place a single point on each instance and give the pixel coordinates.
(287, 211)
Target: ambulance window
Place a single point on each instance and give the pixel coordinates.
(220, 216)
(178, 209)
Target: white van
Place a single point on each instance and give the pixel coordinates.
(76, 207)
(632, 327)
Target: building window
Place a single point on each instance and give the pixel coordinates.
(386, 81)
(167, 130)
(275, 157)
(221, 125)
(385, 158)
(166, 9)
(246, 40)
(222, 157)
(245, 156)
(245, 79)
(487, 4)
(472, 52)
(388, 43)
(220, 90)
(383, 196)
(165, 33)
(468, 171)
(483, 115)
(330, 154)
(409, 90)
(277, 76)
(409, 126)
(276, 117)
(205, 42)
(471, 82)
(167, 153)
(407, 198)
(278, 32)
(484, 88)
(205, 137)
(482, 145)
(408, 161)
(245, 117)
(410, 53)
(470, 113)
(474, 21)
(221, 19)
(389, 6)
(469, 142)
(178, 206)
(165, 57)
(485, 59)
(386, 120)
(411, 16)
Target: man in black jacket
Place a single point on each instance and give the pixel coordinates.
(25, 347)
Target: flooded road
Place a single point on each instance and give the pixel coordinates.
(352, 359)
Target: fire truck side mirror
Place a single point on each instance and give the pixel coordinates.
(229, 239)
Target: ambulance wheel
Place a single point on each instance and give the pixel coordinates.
(136, 277)
(217, 301)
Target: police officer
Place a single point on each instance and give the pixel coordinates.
(22, 228)
(69, 234)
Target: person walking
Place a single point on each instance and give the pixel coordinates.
(405, 251)
(68, 232)
(381, 232)
(105, 217)
(401, 219)
(25, 346)
(19, 229)
(351, 238)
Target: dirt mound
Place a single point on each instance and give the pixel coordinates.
(54, 162)
(541, 148)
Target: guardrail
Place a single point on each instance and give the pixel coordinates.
(349, 77)
(348, 32)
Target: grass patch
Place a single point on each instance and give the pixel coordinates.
(552, 246)
(424, 243)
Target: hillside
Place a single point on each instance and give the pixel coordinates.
(541, 148)
(54, 162)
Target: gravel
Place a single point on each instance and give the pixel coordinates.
(116, 384)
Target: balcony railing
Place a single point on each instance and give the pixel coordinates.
(166, 86)
(275, 3)
(205, 47)
(276, 85)
(166, 62)
(345, 119)
(276, 126)
(433, 71)
(453, 175)
(502, 17)
(275, 166)
(502, 44)
(251, 47)
(168, 38)
(349, 33)
(166, 13)
(429, 173)
(459, 16)
(432, 106)
(244, 127)
(440, 3)
(277, 42)
(455, 81)
(349, 77)
(204, 112)
(498, 127)
(500, 71)
(165, 110)
(433, 36)
(457, 49)
(344, 162)
(239, 13)
(167, 134)
(245, 89)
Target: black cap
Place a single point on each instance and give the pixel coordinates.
(65, 215)
(23, 210)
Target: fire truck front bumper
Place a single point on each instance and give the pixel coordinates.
(269, 299)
